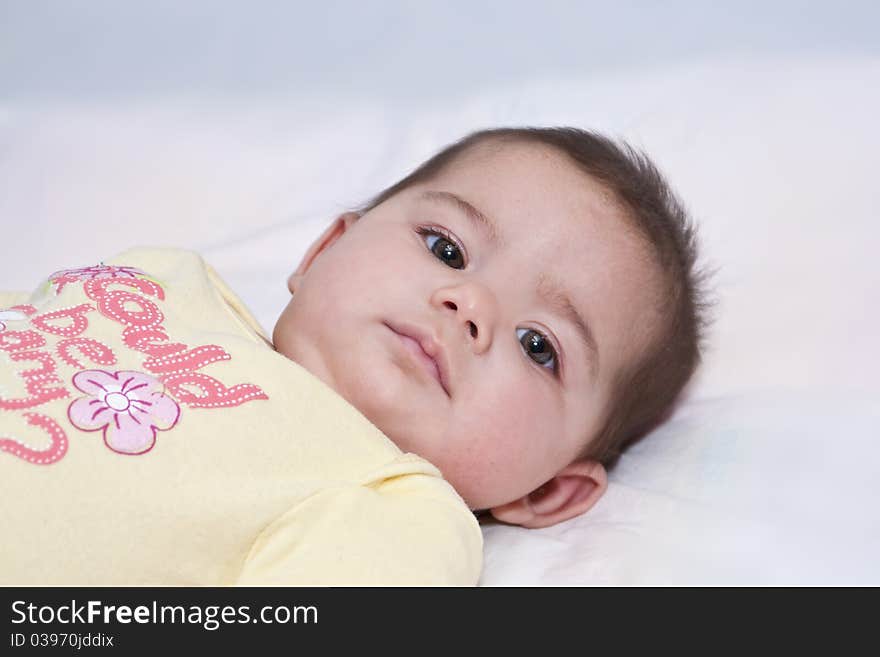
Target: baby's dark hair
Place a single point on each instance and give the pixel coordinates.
(645, 393)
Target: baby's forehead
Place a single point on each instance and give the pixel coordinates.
(523, 190)
(529, 172)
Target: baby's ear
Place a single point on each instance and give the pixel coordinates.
(332, 233)
(575, 489)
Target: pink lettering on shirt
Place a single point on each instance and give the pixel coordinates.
(45, 322)
(96, 289)
(54, 452)
(141, 339)
(25, 308)
(20, 340)
(113, 305)
(191, 360)
(36, 382)
(88, 348)
(214, 394)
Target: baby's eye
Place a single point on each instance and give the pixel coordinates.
(443, 246)
(538, 348)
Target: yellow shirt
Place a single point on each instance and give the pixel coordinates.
(151, 435)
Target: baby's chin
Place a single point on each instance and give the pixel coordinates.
(307, 359)
(284, 345)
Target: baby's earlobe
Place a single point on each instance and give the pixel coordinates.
(517, 512)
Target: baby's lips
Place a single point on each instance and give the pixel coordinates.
(426, 350)
(415, 348)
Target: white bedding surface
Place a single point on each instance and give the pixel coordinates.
(768, 472)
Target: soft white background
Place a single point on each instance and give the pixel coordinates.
(240, 129)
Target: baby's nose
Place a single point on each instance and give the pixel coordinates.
(473, 307)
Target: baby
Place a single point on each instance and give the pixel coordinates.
(485, 336)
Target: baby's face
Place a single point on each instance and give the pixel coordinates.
(516, 390)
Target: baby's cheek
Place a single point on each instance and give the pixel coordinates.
(509, 433)
(525, 409)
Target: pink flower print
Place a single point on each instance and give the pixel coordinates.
(65, 276)
(130, 407)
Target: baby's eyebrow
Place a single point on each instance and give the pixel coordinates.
(482, 221)
(550, 290)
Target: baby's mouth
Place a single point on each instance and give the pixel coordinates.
(422, 359)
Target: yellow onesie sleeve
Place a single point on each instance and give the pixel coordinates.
(404, 532)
